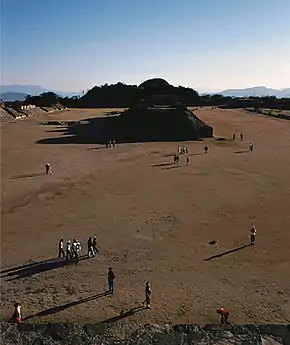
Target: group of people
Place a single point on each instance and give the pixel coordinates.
(251, 145)
(72, 252)
(182, 150)
(241, 136)
(111, 143)
(73, 249)
(17, 317)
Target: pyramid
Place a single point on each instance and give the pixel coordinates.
(159, 116)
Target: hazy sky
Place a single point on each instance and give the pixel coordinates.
(71, 45)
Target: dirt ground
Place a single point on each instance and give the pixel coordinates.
(153, 221)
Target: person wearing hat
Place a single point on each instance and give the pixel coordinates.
(111, 277)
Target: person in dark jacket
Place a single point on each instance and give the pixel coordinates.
(148, 293)
(111, 277)
(96, 250)
(91, 252)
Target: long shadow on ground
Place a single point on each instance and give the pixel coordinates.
(124, 314)
(38, 267)
(244, 151)
(28, 175)
(161, 165)
(174, 167)
(60, 308)
(227, 252)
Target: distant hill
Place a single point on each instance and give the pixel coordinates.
(259, 91)
(12, 96)
(33, 90)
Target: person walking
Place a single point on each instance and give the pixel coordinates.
(61, 252)
(148, 293)
(242, 136)
(95, 248)
(253, 235)
(205, 149)
(91, 252)
(69, 250)
(224, 313)
(47, 168)
(76, 248)
(16, 317)
(111, 277)
(251, 147)
(114, 143)
(187, 160)
(234, 136)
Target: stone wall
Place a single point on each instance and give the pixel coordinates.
(103, 334)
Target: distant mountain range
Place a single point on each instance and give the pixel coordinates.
(33, 90)
(258, 91)
(12, 96)
(19, 92)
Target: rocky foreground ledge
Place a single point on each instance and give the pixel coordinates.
(101, 334)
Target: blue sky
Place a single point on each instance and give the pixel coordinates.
(71, 45)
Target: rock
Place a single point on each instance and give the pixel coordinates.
(101, 334)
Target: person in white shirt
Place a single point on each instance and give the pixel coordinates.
(61, 252)
(69, 250)
(77, 249)
(253, 235)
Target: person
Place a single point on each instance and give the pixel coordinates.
(76, 248)
(91, 252)
(187, 160)
(114, 143)
(178, 149)
(251, 147)
(68, 250)
(177, 159)
(110, 143)
(111, 277)
(47, 168)
(241, 136)
(224, 313)
(16, 317)
(253, 235)
(186, 150)
(205, 149)
(148, 293)
(234, 136)
(95, 248)
(61, 252)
